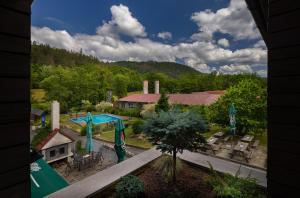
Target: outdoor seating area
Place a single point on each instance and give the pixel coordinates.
(242, 149)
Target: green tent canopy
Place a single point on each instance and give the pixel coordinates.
(44, 180)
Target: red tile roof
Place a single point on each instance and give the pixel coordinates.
(197, 98)
(49, 137)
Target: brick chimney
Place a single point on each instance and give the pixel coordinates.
(145, 88)
(157, 87)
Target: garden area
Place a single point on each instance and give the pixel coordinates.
(155, 180)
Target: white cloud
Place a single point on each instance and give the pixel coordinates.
(262, 73)
(164, 35)
(122, 22)
(107, 45)
(235, 69)
(235, 20)
(223, 42)
(260, 44)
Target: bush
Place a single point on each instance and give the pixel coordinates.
(147, 110)
(87, 106)
(103, 106)
(137, 126)
(228, 186)
(130, 186)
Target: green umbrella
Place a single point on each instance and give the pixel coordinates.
(120, 140)
(232, 121)
(89, 134)
(44, 179)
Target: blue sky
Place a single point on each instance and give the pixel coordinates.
(208, 35)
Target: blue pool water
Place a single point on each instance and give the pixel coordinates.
(97, 119)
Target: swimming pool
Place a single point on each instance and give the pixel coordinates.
(97, 119)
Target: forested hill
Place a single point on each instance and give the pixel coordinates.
(168, 68)
(45, 55)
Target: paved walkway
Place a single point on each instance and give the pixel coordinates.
(93, 184)
(225, 166)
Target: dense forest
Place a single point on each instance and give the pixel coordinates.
(71, 77)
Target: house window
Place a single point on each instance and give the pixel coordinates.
(62, 150)
(52, 153)
(131, 105)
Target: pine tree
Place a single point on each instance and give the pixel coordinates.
(162, 104)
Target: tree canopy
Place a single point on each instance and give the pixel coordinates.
(250, 100)
(173, 131)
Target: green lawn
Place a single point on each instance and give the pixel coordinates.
(130, 138)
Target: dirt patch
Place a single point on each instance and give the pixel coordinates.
(191, 182)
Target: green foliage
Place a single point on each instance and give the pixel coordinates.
(120, 84)
(250, 100)
(78, 145)
(42, 133)
(70, 77)
(147, 110)
(87, 106)
(164, 166)
(130, 186)
(162, 104)
(174, 131)
(44, 54)
(103, 106)
(137, 126)
(228, 186)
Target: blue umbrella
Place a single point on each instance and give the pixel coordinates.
(89, 133)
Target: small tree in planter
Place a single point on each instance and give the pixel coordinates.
(174, 131)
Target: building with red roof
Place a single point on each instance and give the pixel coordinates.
(55, 146)
(195, 98)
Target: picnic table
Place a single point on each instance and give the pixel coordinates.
(240, 149)
(247, 138)
(219, 134)
(212, 140)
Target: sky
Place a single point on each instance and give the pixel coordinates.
(207, 35)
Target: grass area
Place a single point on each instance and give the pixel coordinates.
(130, 138)
(38, 94)
(65, 120)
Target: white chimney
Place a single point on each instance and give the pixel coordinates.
(145, 87)
(156, 87)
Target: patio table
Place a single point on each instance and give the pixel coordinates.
(212, 140)
(241, 147)
(247, 138)
(219, 134)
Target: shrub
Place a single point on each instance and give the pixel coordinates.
(228, 186)
(87, 105)
(103, 106)
(147, 110)
(137, 126)
(130, 186)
